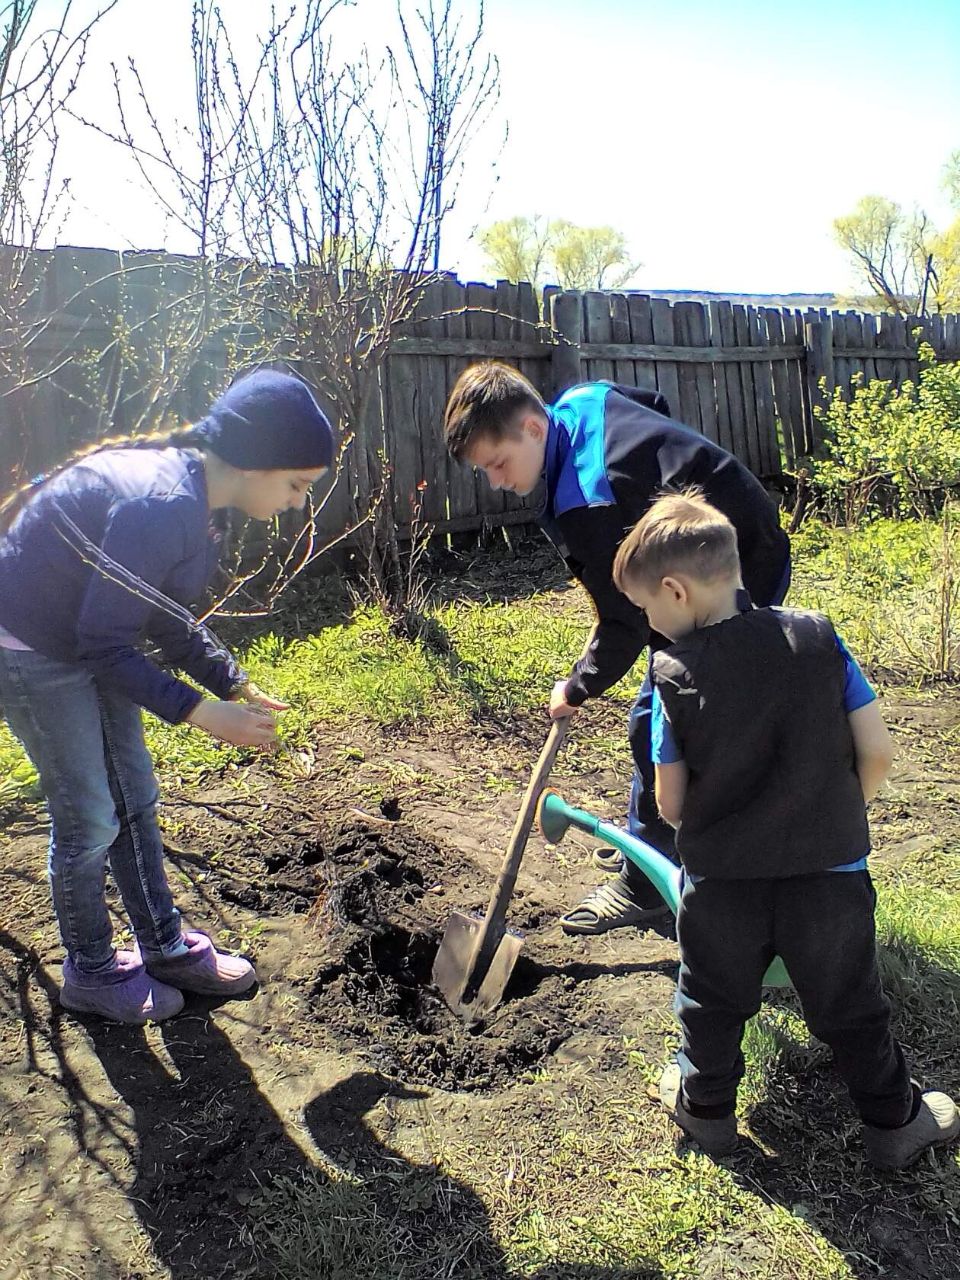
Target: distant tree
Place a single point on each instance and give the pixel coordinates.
(591, 257)
(947, 245)
(907, 265)
(945, 278)
(557, 251)
(889, 249)
(518, 248)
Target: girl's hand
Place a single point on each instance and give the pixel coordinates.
(249, 692)
(241, 726)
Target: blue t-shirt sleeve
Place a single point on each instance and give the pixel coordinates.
(857, 691)
(663, 745)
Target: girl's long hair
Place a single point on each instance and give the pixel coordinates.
(180, 438)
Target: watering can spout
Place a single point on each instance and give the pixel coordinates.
(555, 817)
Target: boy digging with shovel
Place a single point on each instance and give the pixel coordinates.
(603, 453)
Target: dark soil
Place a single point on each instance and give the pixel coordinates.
(142, 1153)
(350, 875)
(363, 888)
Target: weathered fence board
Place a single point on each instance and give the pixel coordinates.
(781, 387)
(566, 316)
(623, 368)
(742, 333)
(641, 335)
(481, 300)
(699, 330)
(403, 399)
(689, 407)
(768, 435)
(729, 390)
(431, 500)
(664, 331)
(462, 498)
(597, 333)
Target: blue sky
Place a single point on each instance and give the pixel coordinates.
(722, 138)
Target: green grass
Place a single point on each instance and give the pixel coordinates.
(883, 584)
(918, 932)
(18, 778)
(665, 1217)
(602, 1195)
(596, 1189)
(918, 927)
(342, 1228)
(668, 1214)
(475, 660)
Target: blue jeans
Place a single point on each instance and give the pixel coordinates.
(87, 746)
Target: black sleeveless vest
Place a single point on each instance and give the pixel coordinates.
(756, 705)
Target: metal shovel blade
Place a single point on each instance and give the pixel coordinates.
(452, 968)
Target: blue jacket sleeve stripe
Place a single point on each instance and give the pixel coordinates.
(582, 479)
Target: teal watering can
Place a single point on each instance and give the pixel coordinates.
(555, 817)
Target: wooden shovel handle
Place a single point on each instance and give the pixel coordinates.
(503, 889)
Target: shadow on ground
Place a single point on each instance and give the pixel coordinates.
(220, 1185)
(492, 565)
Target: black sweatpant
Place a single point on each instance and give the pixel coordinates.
(823, 927)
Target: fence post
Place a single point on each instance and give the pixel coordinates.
(566, 318)
(547, 296)
(818, 340)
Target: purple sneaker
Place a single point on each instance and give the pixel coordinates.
(124, 993)
(203, 970)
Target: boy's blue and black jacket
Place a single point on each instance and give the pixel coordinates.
(610, 451)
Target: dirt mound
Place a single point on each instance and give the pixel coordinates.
(365, 887)
(375, 989)
(334, 872)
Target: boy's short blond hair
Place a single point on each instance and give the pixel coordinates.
(680, 534)
(484, 403)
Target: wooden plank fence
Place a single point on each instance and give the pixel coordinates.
(747, 377)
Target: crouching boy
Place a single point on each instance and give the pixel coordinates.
(768, 744)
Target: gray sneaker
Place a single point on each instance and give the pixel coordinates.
(937, 1121)
(716, 1137)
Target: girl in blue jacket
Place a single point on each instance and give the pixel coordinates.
(95, 559)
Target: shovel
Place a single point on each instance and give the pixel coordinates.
(476, 957)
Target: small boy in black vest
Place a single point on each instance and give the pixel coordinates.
(768, 744)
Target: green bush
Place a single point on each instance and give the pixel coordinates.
(891, 450)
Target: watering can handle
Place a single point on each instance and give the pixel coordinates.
(503, 889)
